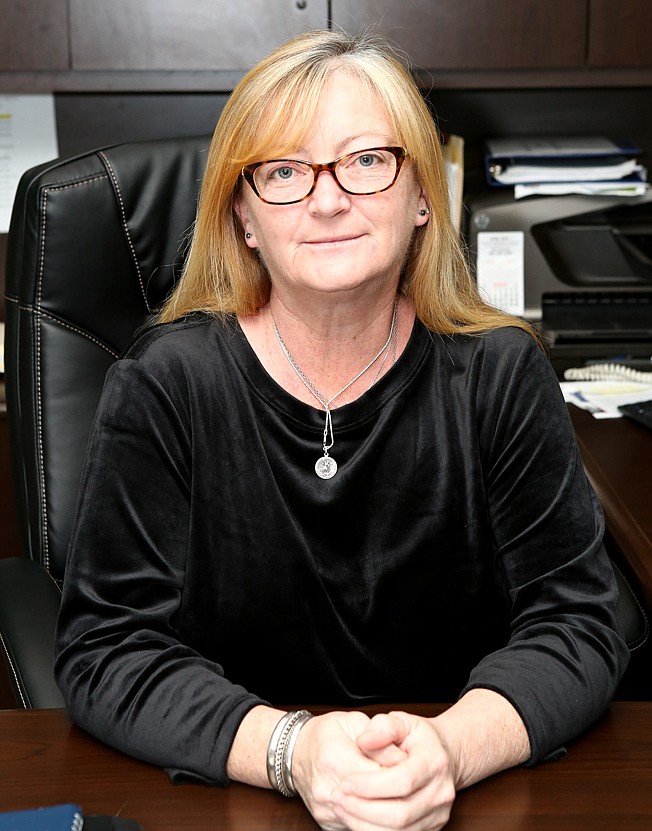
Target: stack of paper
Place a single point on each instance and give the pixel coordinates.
(587, 165)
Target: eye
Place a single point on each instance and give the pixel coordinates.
(282, 173)
(367, 160)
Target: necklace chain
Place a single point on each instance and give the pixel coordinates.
(326, 467)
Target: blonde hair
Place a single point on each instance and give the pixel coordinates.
(272, 109)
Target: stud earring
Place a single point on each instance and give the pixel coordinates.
(424, 212)
(248, 235)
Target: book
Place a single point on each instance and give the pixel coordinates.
(63, 817)
(66, 817)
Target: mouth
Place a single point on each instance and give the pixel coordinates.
(334, 241)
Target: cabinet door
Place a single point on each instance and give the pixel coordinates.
(190, 35)
(475, 34)
(33, 35)
(620, 33)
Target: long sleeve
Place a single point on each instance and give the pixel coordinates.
(564, 656)
(127, 676)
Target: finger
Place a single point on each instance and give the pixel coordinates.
(427, 809)
(399, 780)
(384, 729)
(386, 756)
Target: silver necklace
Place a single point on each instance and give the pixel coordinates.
(326, 466)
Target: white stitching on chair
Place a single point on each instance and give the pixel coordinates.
(41, 268)
(38, 315)
(81, 332)
(125, 228)
(14, 672)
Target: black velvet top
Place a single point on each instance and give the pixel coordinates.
(458, 546)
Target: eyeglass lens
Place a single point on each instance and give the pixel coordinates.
(363, 172)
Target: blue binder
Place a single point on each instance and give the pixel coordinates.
(511, 161)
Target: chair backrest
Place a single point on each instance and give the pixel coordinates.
(95, 245)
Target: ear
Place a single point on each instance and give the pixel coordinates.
(423, 210)
(245, 220)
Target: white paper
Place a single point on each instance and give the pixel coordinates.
(500, 269)
(583, 188)
(602, 398)
(28, 136)
(525, 173)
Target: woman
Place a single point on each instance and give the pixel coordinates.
(333, 474)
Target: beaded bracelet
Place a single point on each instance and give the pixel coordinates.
(280, 750)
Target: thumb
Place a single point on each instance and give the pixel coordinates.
(382, 738)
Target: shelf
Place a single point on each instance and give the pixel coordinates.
(223, 81)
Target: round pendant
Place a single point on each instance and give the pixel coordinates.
(326, 467)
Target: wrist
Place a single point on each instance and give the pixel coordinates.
(280, 751)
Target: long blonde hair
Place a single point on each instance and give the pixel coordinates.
(273, 109)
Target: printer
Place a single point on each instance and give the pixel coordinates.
(587, 270)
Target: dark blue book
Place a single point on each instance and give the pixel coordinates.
(55, 818)
(65, 817)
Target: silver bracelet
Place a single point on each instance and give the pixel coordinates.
(280, 749)
(304, 716)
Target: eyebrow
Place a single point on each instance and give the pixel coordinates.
(383, 139)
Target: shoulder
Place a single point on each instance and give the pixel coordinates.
(184, 335)
(504, 346)
(188, 353)
(185, 345)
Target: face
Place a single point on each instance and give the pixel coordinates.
(334, 241)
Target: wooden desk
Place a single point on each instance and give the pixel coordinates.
(604, 783)
(617, 455)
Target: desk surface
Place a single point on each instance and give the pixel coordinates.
(604, 783)
(617, 455)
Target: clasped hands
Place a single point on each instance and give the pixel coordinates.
(392, 771)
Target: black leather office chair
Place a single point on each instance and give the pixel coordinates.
(93, 251)
(94, 247)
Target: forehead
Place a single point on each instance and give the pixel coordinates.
(349, 110)
(346, 107)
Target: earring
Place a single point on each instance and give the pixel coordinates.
(424, 212)
(248, 235)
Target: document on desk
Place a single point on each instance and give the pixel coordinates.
(28, 137)
(602, 398)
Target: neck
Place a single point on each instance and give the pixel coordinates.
(380, 358)
(331, 345)
(327, 352)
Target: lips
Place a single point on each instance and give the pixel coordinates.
(334, 240)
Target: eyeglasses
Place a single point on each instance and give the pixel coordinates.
(285, 181)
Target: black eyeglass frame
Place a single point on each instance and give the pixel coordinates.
(399, 153)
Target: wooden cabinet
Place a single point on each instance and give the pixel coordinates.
(206, 45)
(197, 35)
(33, 35)
(476, 34)
(620, 33)
(510, 34)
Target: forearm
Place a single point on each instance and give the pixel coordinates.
(247, 760)
(483, 734)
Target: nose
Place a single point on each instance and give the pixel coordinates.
(327, 197)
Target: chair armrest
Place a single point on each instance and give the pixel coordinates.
(29, 605)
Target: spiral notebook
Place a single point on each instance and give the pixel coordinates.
(65, 817)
